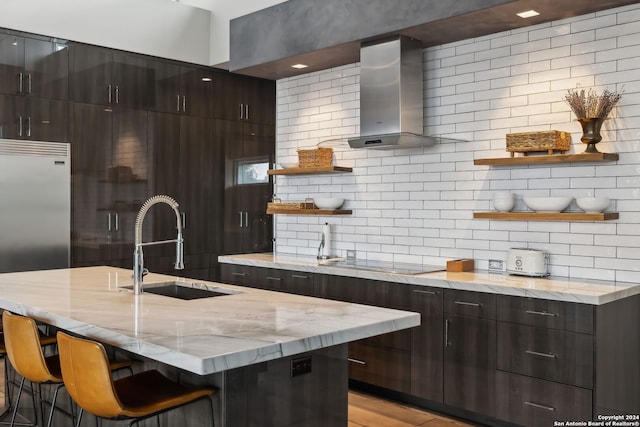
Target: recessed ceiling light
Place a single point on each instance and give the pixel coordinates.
(528, 14)
(299, 66)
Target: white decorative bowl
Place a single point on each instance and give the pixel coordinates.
(328, 202)
(547, 204)
(288, 165)
(593, 204)
(504, 201)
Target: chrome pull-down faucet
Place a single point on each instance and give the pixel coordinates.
(138, 256)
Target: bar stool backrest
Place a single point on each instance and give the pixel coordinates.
(87, 376)
(22, 343)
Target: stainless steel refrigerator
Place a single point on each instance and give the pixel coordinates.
(35, 205)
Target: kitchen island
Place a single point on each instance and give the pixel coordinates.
(276, 359)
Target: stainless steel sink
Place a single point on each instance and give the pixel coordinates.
(184, 290)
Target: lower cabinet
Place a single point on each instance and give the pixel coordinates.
(534, 402)
(470, 351)
(498, 358)
(427, 343)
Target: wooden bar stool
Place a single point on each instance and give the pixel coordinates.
(24, 350)
(86, 376)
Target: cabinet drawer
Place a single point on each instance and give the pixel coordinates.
(533, 402)
(379, 366)
(301, 283)
(470, 304)
(239, 275)
(561, 315)
(565, 357)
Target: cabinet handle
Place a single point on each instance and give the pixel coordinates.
(277, 279)
(246, 111)
(539, 406)
(240, 219)
(246, 219)
(109, 94)
(472, 304)
(446, 333)
(117, 221)
(359, 362)
(109, 221)
(20, 82)
(20, 126)
(29, 84)
(29, 126)
(183, 218)
(241, 111)
(178, 102)
(541, 313)
(184, 103)
(535, 353)
(299, 276)
(117, 94)
(425, 292)
(235, 273)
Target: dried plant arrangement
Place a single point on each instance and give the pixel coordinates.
(588, 104)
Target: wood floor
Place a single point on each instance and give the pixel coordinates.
(370, 411)
(365, 411)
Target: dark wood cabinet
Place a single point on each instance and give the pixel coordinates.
(427, 344)
(106, 77)
(470, 351)
(33, 88)
(241, 275)
(186, 164)
(31, 66)
(534, 402)
(384, 360)
(33, 118)
(181, 89)
(248, 154)
(247, 100)
(109, 182)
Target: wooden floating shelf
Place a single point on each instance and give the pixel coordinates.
(559, 158)
(308, 171)
(309, 211)
(545, 216)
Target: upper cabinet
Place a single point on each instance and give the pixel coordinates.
(33, 88)
(33, 67)
(180, 89)
(106, 77)
(247, 99)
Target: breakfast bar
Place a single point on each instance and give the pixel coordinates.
(275, 359)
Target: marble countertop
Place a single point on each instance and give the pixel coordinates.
(202, 336)
(559, 289)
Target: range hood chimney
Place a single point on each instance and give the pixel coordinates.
(391, 95)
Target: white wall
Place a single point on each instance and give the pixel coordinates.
(416, 205)
(160, 28)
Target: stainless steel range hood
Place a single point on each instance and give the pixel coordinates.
(391, 96)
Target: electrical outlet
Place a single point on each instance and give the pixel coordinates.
(496, 265)
(351, 254)
(300, 366)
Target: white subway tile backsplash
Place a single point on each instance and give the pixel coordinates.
(417, 205)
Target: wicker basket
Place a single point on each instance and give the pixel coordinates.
(278, 205)
(547, 140)
(315, 157)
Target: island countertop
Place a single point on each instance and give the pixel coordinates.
(202, 336)
(593, 292)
